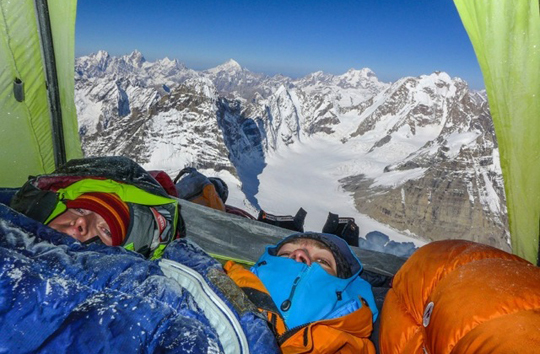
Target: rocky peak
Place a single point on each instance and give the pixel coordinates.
(101, 57)
(135, 58)
(230, 67)
(166, 62)
(314, 79)
(358, 78)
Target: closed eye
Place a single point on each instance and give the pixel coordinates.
(78, 211)
(107, 232)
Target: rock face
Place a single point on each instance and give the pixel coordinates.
(419, 154)
(460, 192)
(126, 107)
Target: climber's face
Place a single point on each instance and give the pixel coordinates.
(309, 251)
(83, 225)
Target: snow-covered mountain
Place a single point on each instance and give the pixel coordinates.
(418, 155)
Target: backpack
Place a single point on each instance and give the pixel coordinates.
(192, 185)
(212, 192)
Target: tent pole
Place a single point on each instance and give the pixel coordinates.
(53, 90)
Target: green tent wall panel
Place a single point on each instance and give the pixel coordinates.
(505, 35)
(25, 127)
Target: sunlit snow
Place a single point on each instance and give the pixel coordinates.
(306, 175)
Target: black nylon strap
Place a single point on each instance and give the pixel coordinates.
(261, 299)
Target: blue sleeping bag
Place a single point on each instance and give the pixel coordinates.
(59, 296)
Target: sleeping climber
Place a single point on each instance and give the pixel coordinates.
(94, 217)
(309, 287)
(111, 200)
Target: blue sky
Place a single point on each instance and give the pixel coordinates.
(394, 38)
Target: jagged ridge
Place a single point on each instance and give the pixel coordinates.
(425, 155)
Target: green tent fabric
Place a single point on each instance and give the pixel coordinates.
(25, 129)
(505, 35)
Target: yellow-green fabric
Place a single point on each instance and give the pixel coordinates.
(505, 35)
(25, 131)
(126, 192)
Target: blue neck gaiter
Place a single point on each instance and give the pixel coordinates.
(302, 293)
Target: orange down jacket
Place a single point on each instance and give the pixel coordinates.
(456, 297)
(344, 335)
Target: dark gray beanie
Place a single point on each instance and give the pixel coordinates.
(346, 262)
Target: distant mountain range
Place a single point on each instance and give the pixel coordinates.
(419, 154)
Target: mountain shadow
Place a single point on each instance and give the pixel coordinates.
(243, 138)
